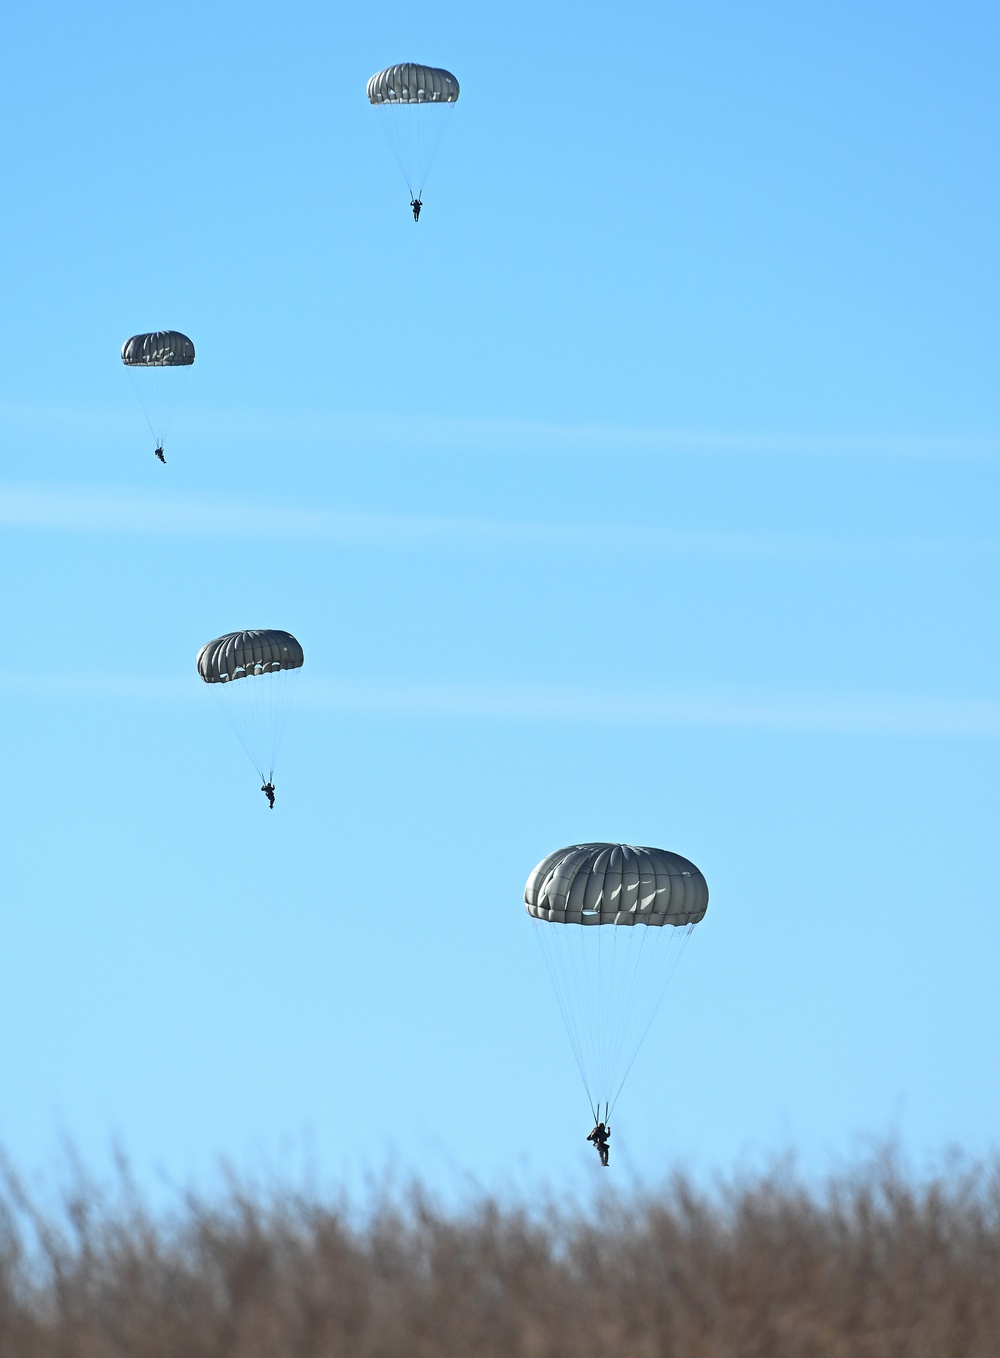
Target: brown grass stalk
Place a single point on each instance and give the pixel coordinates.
(872, 1264)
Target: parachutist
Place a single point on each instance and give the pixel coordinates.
(645, 903)
(246, 670)
(600, 1136)
(412, 98)
(158, 351)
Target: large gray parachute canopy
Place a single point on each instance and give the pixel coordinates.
(160, 349)
(616, 884)
(409, 83)
(240, 655)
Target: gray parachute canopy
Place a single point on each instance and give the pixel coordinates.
(609, 982)
(240, 655)
(410, 83)
(616, 884)
(160, 349)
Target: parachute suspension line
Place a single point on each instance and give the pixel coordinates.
(588, 1002)
(250, 693)
(644, 986)
(633, 987)
(141, 393)
(414, 133)
(395, 144)
(565, 982)
(258, 691)
(257, 708)
(609, 980)
(677, 950)
(282, 710)
(613, 988)
(235, 711)
(592, 1003)
(559, 976)
(431, 140)
(599, 995)
(158, 393)
(603, 995)
(611, 1031)
(607, 999)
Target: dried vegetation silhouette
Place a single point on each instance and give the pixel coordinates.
(871, 1264)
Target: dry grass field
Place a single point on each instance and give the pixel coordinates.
(869, 1265)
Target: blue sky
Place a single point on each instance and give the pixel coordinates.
(645, 490)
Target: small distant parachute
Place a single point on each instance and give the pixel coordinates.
(159, 349)
(254, 673)
(150, 359)
(410, 83)
(612, 921)
(413, 101)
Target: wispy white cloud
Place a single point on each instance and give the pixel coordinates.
(332, 428)
(519, 436)
(791, 713)
(61, 508)
(105, 687)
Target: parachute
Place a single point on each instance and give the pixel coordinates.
(413, 103)
(150, 359)
(254, 674)
(612, 921)
(160, 349)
